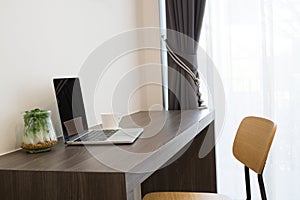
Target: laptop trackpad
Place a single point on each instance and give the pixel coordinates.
(120, 135)
(125, 135)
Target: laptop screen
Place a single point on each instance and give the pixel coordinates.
(70, 106)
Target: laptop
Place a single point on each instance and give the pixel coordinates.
(74, 122)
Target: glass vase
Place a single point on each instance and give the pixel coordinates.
(39, 134)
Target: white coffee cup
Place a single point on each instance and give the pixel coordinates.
(110, 121)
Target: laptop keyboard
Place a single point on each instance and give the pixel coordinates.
(98, 135)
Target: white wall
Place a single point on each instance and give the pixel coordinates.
(42, 39)
(149, 17)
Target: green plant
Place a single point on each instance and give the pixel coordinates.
(36, 121)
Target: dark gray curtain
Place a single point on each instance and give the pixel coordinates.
(184, 21)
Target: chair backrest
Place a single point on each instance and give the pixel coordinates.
(253, 141)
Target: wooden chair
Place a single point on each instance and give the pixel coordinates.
(251, 147)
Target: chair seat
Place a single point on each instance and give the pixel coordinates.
(184, 196)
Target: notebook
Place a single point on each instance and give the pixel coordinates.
(74, 122)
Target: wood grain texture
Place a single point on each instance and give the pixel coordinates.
(161, 129)
(114, 171)
(187, 173)
(35, 185)
(253, 141)
(184, 196)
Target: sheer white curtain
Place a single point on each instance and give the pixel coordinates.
(255, 45)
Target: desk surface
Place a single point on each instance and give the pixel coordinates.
(165, 134)
(161, 132)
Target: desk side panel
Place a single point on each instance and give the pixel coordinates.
(188, 172)
(36, 185)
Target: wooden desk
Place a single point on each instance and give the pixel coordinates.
(165, 157)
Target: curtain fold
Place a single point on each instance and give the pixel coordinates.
(184, 22)
(254, 46)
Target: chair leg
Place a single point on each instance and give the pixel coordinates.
(247, 179)
(262, 187)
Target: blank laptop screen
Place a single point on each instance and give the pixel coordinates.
(70, 105)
